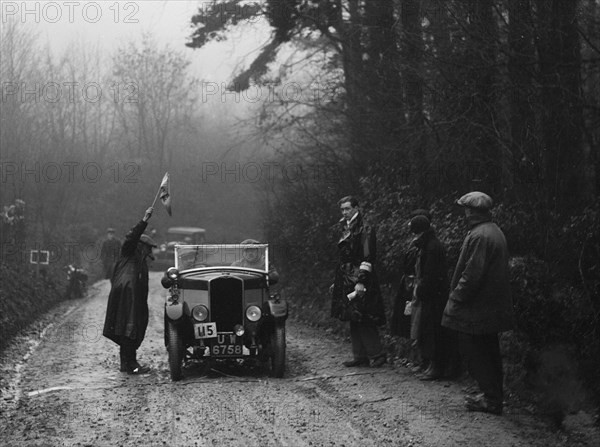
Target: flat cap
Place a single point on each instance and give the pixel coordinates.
(110, 230)
(477, 200)
(249, 241)
(145, 239)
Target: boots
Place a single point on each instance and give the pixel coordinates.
(123, 357)
(129, 362)
(432, 373)
(137, 368)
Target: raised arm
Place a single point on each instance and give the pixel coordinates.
(133, 236)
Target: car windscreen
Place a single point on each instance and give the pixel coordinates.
(253, 256)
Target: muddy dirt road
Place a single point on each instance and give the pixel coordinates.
(61, 386)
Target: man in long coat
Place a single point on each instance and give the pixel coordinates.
(355, 273)
(480, 303)
(127, 310)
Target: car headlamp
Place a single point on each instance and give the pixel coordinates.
(253, 313)
(173, 273)
(200, 313)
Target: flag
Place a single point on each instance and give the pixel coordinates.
(165, 193)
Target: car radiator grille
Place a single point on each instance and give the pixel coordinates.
(226, 303)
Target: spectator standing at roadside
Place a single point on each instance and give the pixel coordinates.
(401, 318)
(356, 296)
(127, 309)
(480, 304)
(109, 253)
(429, 296)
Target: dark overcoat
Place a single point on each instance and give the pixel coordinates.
(480, 300)
(127, 309)
(431, 290)
(357, 251)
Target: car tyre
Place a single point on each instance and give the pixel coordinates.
(278, 351)
(175, 350)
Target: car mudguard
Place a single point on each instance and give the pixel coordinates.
(174, 310)
(278, 308)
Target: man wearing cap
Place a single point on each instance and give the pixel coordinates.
(480, 304)
(355, 292)
(109, 253)
(127, 310)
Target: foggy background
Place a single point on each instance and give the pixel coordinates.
(99, 102)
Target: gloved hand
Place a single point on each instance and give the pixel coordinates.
(148, 214)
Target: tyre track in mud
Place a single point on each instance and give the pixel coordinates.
(73, 394)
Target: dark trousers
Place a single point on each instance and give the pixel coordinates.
(481, 354)
(128, 351)
(365, 341)
(447, 353)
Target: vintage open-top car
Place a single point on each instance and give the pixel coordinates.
(219, 307)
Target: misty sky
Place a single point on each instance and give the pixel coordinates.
(109, 23)
(66, 26)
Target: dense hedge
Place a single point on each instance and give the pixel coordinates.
(25, 297)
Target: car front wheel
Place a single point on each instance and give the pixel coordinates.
(175, 350)
(278, 350)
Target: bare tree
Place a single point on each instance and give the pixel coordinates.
(18, 56)
(158, 93)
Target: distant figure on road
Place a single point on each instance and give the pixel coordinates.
(127, 310)
(480, 304)
(109, 253)
(355, 276)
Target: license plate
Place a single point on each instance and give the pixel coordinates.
(205, 330)
(226, 345)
